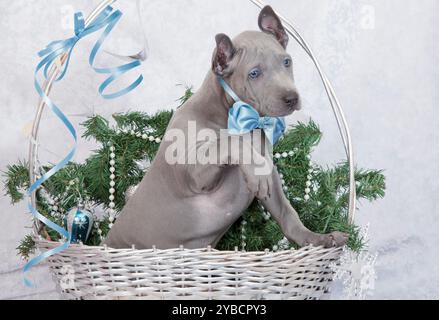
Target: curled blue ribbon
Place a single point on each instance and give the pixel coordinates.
(114, 72)
(106, 19)
(243, 118)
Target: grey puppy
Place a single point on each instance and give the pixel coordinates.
(193, 204)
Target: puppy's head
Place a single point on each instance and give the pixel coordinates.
(258, 68)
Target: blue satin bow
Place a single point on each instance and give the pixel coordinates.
(108, 19)
(243, 118)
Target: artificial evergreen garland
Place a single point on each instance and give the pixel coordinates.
(320, 195)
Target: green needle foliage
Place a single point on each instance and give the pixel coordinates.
(17, 181)
(325, 211)
(26, 248)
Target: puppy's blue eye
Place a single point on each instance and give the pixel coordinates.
(255, 73)
(287, 62)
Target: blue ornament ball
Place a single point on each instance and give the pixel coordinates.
(79, 223)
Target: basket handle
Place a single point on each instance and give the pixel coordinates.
(336, 108)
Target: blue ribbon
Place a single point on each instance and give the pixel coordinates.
(243, 118)
(115, 72)
(106, 19)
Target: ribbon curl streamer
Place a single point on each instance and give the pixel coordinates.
(53, 54)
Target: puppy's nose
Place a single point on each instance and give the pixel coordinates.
(291, 100)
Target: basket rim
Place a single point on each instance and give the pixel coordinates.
(201, 251)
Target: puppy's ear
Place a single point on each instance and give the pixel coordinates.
(223, 55)
(269, 22)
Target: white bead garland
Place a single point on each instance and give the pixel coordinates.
(283, 244)
(266, 215)
(284, 186)
(286, 154)
(53, 203)
(243, 236)
(141, 135)
(112, 190)
(309, 185)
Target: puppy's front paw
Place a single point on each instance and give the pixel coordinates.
(333, 240)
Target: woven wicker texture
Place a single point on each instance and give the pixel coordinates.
(85, 272)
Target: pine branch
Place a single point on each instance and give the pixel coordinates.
(185, 97)
(301, 136)
(97, 128)
(26, 248)
(16, 181)
(140, 121)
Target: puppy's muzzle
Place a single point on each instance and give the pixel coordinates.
(292, 101)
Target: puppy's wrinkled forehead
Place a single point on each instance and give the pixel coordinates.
(255, 48)
(258, 41)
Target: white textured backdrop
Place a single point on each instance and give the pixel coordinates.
(380, 54)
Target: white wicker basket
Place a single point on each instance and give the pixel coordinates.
(104, 273)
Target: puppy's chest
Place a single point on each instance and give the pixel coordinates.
(214, 214)
(228, 202)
